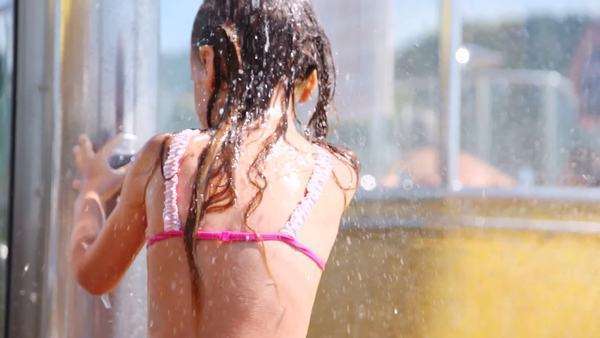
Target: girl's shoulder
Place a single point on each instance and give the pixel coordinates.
(201, 138)
(147, 158)
(192, 139)
(345, 170)
(158, 146)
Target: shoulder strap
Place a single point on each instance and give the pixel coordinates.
(171, 168)
(321, 174)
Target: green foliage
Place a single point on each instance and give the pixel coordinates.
(541, 42)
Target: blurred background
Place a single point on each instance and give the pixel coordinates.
(477, 124)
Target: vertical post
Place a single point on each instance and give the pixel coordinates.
(483, 102)
(7, 20)
(450, 93)
(34, 179)
(378, 16)
(551, 151)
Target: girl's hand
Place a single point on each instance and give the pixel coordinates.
(95, 174)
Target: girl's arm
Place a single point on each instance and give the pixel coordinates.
(102, 249)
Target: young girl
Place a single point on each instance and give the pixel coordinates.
(239, 218)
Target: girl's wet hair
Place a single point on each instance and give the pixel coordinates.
(260, 46)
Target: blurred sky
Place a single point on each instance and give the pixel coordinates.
(412, 18)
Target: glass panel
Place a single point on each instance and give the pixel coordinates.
(410, 151)
(364, 55)
(531, 97)
(469, 263)
(6, 76)
(387, 93)
(418, 262)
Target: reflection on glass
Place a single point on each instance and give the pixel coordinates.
(529, 104)
(530, 78)
(6, 50)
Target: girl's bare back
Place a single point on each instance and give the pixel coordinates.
(247, 290)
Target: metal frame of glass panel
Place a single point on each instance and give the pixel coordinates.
(6, 117)
(450, 92)
(32, 202)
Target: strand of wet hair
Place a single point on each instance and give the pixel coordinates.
(225, 48)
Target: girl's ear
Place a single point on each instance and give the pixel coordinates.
(203, 64)
(309, 86)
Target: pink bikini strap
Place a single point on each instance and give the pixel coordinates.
(321, 174)
(171, 168)
(235, 236)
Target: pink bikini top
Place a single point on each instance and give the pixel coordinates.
(288, 234)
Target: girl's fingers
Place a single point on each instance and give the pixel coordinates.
(87, 150)
(76, 184)
(79, 163)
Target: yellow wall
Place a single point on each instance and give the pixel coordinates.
(441, 282)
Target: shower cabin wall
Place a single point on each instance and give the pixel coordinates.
(84, 66)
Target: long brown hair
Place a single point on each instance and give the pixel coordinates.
(260, 45)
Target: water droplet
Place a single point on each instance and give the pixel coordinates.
(33, 297)
(3, 251)
(407, 184)
(106, 301)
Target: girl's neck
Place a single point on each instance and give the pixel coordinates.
(272, 119)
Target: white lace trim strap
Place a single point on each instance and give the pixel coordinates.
(321, 174)
(171, 168)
